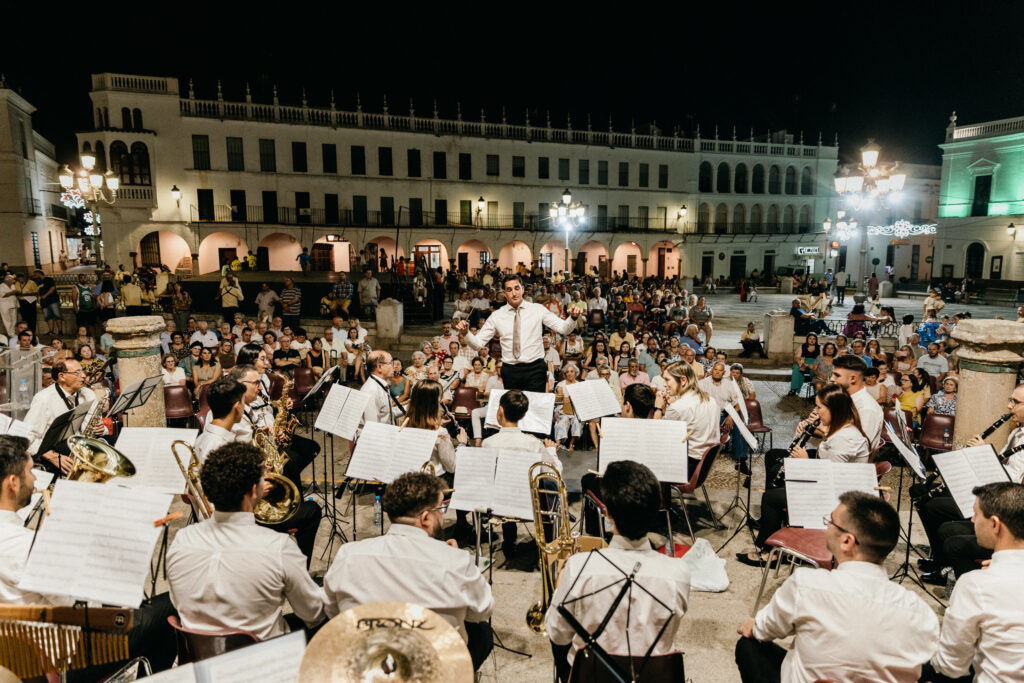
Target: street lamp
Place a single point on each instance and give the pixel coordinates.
(86, 188)
(1011, 230)
(176, 195)
(480, 206)
(871, 182)
(567, 214)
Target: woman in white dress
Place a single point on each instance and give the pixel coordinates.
(566, 426)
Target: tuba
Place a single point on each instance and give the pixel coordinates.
(200, 506)
(96, 460)
(554, 554)
(282, 499)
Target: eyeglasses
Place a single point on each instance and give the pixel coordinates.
(443, 507)
(827, 519)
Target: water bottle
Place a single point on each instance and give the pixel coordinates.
(23, 398)
(945, 438)
(378, 519)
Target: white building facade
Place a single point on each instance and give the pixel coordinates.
(272, 179)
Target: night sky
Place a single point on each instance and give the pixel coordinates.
(893, 73)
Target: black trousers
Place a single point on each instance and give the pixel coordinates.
(752, 347)
(301, 452)
(525, 376)
(305, 523)
(759, 662)
(960, 547)
(930, 675)
(480, 641)
(138, 310)
(229, 314)
(840, 294)
(562, 666)
(934, 513)
(29, 311)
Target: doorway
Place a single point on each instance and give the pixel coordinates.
(662, 255)
(226, 255)
(323, 257)
(737, 267)
(464, 262)
(769, 267)
(975, 262)
(430, 253)
(149, 249)
(995, 272)
(707, 266)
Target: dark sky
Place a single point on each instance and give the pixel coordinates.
(894, 71)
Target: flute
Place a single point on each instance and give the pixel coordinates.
(995, 425)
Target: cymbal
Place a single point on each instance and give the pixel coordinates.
(387, 641)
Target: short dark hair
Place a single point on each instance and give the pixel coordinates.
(515, 404)
(223, 394)
(511, 278)
(851, 363)
(1005, 500)
(874, 522)
(907, 319)
(24, 333)
(640, 397)
(229, 473)
(410, 494)
(632, 496)
(13, 454)
(871, 372)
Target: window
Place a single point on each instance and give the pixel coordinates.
(236, 158)
(773, 225)
(268, 156)
(412, 160)
(602, 173)
(623, 174)
(563, 169)
(269, 206)
(543, 217)
(806, 181)
(623, 216)
(465, 166)
(238, 210)
(645, 175)
(137, 119)
(331, 216)
(303, 214)
(602, 216)
(387, 210)
(205, 201)
(465, 212)
(774, 180)
(492, 214)
(740, 182)
(790, 180)
(584, 169)
(542, 168)
(518, 167)
(120, 162)
(299, 157)
(101, 158)
(359, 209)
(804, 225)
(982, 194)
(329, 153)
(789, 220)
(704, 177)
(140, 164)
(415, 209)
(663, 176)
(201, 152)
(518, 214)
(721, 219)
(704, 218)
(643, 217)
(722, 183)
(440, 168)
(756, 220)
(739, 219)
(440, 206)
(493, 165)
(126, 118)
(757, 182)
(358, 156)
(384, 165)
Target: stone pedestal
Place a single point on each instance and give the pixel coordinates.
(990, 352)
(786, 285)
(137, 341)
(390, 320)
(778, 336)
(885, 289)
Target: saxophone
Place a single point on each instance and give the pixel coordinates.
(285, 423)
(282, 498)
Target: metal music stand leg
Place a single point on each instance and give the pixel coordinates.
(906, 570)
(161, 561)
(738, 502)
(495, 638)
(330, 502)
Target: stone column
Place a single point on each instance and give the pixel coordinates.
(137, 341)
(778, 336)
(990, 352)
(390, 322)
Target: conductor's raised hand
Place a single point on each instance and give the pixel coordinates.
(462, 326)
(575, 311)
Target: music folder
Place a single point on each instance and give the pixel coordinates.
(592, 398)
(658, 444)
(494, 480)
(384, 451)
(966, 468)
(63, 426)
(813, 487)
(342, 411)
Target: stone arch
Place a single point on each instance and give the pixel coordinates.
(433, 251)
(340, 254)
(556, 262)
(392, 249)
(721, 219)
(622, 261)
(663, 264)
(211, 246)
(596, 253)
(476, 253)
(282, 251)
(723, 179)
(163, 247)
(514, 253)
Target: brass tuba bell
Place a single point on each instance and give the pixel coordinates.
(97, 461)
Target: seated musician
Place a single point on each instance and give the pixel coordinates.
(229, 573)
(843, 441)
(851, 623)
(685, 400)
(942, 520)
(150, 637)
(66, 393)
(511, 409)
(411, 563)
(226, 397)
(983, 627)
(382, 406)
(632, 498)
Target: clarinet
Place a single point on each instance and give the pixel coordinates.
(995, 425)
(799, 440)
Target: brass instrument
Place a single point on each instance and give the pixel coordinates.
(554, 554)
(284, 422)
(282, 499)
(96, 460)
(193, 486)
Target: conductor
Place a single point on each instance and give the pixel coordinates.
(520, 325)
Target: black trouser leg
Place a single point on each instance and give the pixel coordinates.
(930, 675)
(934, 513)
(562, 666)
(773, 515)
(759, 662)
(526, 376)
(960, 548)
(301, 451)
(480, 641)
(591, 515)
(305, 522)
(229, 314)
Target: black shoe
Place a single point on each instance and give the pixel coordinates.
(746, 482)
(743, 466)
(935, 578)
(508, 550)
(744, 558)
(754, 523)
(928, 564)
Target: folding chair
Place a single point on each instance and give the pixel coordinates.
(696, 481)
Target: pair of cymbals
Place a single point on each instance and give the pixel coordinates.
(387, 641)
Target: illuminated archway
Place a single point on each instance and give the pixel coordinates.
(162, 247)
(433, 252)
(471, 255)
(552, 257)
(514, 253)
(629, 259)
(663, 259)
(218, 247)
(282, 251)
(330, 255)
(391, 250)
(597, 253)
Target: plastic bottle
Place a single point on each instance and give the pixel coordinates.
(945, 438)
(23, 398)
(378, 519)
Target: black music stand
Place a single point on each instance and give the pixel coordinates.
(907, 570)
(135, 395)
(319, 385)
(65, 425)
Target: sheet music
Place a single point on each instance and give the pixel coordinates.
(809, 494)
(658, 444)
(962, 469)
(592, 398)
(13, 427)
(342, 411)
(538, 416)
(742, 425)
(43, 479)
(512, 484)
(908, 452)
(379, 444)
(97, 543)
(901, 420)
(149, 449)
(985, 463)
(853, 476)
(276, 660)
(324, 377)
(474, 478)
(186, 673)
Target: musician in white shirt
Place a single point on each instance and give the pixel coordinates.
(381, 406)
(632, 497)
(410, 563)
(848, 372)
(519, 325)
(228, 573)
(226, 398)
(851, 623)
(67, 392)
(983, 627)
(685, 400)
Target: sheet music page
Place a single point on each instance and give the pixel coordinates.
(901, 420)
(592, 398)
(742, 425)
(809, 492)
(658, 444)
(474, 478)
(908, 452)
(342, 411)
(985, 463)
(276, 660)
(538, 416)
(324, 377)
(512, 484)
(19, 428)
(410, 451)
(187, 673)
(97, 543)
(149, 449)
(5, 423)
(959, 478)
(853, 476)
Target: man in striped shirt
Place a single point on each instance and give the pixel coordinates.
(291, 304)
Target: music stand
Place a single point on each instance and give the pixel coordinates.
(135, 395)
(65, 425)
(319, 385)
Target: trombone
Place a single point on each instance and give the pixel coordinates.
(197, 499)
(552, 555)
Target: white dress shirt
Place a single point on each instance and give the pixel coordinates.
(532, 320)
(846, 445)
(15, 541)
(515, 439)
(984, 623)
(701, 417)
(211, 438)
(208, 340)
(851, 624)
(871, 416)
(228, 573)
(597, 303)
(46, 406)
(1015, 465)
(379, 407)
(639, 617)
(407, 565)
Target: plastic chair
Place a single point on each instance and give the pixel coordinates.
(303, 381)
(696, 481)
(667, 667)
(178, 402)
(756, 425)
(194, 646)
(798, 545)
(595, 319)
(932, 430)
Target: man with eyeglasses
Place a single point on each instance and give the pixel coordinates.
(851, 623)
(411, 563)
(67, 392)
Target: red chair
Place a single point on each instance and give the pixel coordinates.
(204, 405)
(304, 380)
(276, 384)
(465, 397)
(595, 319)
(667, 667)
(178, 402)
(932, 430)
(798, 545)
(194, 646)
(696, 481)
(889, 415)
(757, 426)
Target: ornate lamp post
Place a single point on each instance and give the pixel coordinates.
(86, 187)
(567, 214)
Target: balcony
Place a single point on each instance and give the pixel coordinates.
(129, 83)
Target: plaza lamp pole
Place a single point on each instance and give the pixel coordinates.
(86, 187)
(567, 214)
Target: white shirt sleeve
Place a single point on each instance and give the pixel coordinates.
(961, 630)
(308, 600)
(776, 620)
(559, 325)
(485, 334)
